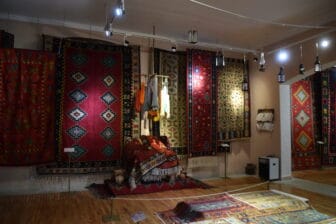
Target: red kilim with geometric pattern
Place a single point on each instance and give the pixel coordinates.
(304, 153)
(27, 107)
(92, 104)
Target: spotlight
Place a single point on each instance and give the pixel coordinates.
(118, 11)
(173, 49)
(255, 59)
(108, 29)
(281, 75)
(120, 8)
(282, 56)
(325, 43)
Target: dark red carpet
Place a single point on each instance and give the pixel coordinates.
(110, 189)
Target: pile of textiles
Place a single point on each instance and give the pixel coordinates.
(149, 159)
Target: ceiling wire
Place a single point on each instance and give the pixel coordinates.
(260, 20)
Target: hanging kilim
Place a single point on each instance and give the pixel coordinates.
(305, 155)
(201, 103)
(233, 102)
(173, 65)
(329, 116)
(27, 110)
(95, 112)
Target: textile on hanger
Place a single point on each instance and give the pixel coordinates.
(165, 101)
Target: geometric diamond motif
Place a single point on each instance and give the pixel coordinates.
(79, 151)
(76, 132)
(77, 95)
(302, 118)
(108, 61)
(108, 98)
(107, 134)
(79, 59)
(108, 80)
(77, 114)
(108, 150)
(79, 77)
(108, 115)
(301, 95)
(304, 140)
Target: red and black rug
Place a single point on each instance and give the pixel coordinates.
(111, 189)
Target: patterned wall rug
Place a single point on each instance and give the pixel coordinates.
(329, 116)
(173, 65)
(201, 103)
(95, 110)
(27, 109)
(305, 154)
(233, 103)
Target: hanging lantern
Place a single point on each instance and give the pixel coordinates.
(245, 84)
(223, 59)
(262, 62)
(317, 65)
(220, 60)
(192, 36)
(217, 59)
(301, 66)
(301, 69)
(281, 75)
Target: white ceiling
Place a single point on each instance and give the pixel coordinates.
(173, 18)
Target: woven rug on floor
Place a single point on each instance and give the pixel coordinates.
(244, 208)
(204, 209)
(110, 188)
(271, 200)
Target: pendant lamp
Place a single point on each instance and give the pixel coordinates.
(301, 66)
(245, 84)
(317, 63)
(262, 62)
(281, 75)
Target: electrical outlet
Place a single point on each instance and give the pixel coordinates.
(71, 149)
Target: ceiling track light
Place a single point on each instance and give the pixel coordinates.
(120, 8)
(192, 36)
(173, 48)
(325, 43)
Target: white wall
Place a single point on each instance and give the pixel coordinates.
(286, 140)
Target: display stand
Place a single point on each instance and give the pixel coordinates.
(110, 217)
(68, 151)
(321, 143)
(226, 148)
